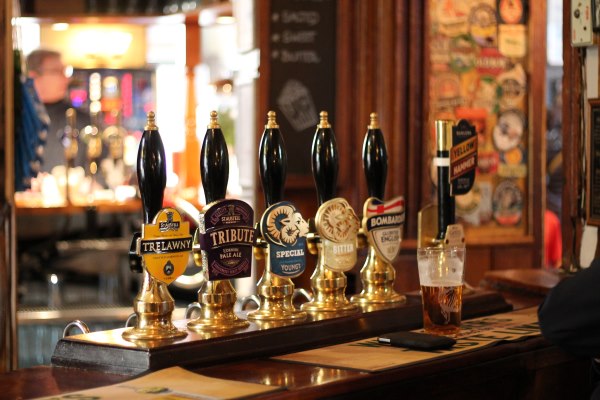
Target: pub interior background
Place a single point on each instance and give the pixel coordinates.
(185, 58)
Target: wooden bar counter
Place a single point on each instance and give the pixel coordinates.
(526, 369)
(522, 286)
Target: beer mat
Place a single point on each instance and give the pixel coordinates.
(173, 383)
(371, 356)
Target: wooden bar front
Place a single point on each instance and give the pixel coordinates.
(525, 369)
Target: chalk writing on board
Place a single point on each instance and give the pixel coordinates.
(302, 73)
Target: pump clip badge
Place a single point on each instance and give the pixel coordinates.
(463, 158)
(165, 245)
(226, 238)
(383, 221)
(337, 225)
(285, 230)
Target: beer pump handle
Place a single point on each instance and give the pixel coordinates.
(446, 203)
(375, 160)
(151, 170)
(324, 160)
(214, 162)
(272, 159)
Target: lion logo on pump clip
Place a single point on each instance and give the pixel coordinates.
(337, 225)
(337, 221)
(283, 227)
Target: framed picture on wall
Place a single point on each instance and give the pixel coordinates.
(483, 74)
(593, 163)
(596, 15)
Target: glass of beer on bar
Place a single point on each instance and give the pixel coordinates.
(441, 276)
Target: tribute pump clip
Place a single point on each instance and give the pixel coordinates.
(224, 239)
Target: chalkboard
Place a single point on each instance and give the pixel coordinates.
(303, 66)
(593, 192)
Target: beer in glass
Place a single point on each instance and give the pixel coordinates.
(441, 276)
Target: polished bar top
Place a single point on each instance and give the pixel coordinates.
(511, 370)
(531, 368)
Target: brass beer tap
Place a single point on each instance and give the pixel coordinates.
(71, 142)
(162, 227)
(282, 241)
(381, 225)
(333, 234)
(93, 139)
(223, 242)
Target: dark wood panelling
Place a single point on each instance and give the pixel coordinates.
(398, 164)
(479, 260)
(346, 95)
(407, 273)
(8, 266)
(537, 132)
(4, 248)
(571, 134)
(513, 257)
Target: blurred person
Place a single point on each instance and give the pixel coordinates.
(554, 161)
(552, 240)
(51, 82)
(554, 180)
(569, 319)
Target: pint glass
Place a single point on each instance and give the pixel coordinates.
(441, 276)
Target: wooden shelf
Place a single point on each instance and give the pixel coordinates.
(140, 19)
(101, 207)
(207, 13)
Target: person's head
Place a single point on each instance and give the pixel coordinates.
(48, 73)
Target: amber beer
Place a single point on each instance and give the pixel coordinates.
(442, 305)
(441, 276)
